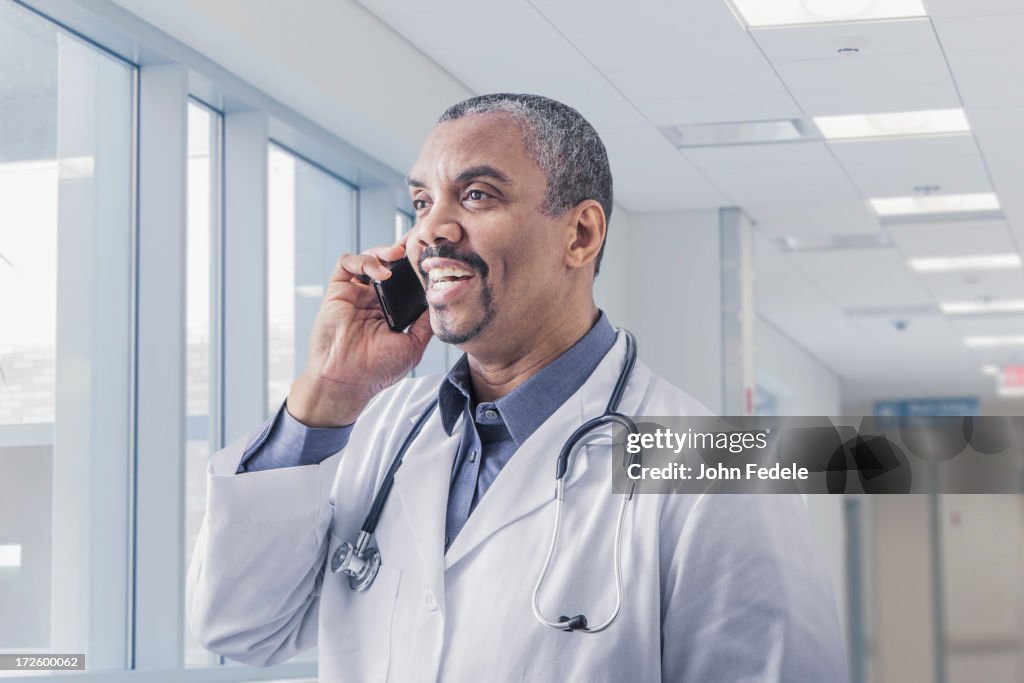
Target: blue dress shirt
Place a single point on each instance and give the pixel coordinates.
(491, 431)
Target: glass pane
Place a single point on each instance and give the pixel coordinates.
(310, 224)
(201, 233)
(65, 342)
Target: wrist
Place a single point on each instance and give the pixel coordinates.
(319, 402)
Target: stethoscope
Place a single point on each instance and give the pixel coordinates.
(361, 563)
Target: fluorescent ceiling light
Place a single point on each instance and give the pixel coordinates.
(10, 556)
(936, 203)
(981, 262)
(995, 340)
(738, 132)
(782, 12)
(931, 122)
(990, 370)
(970, 307)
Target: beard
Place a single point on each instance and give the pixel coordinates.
(445, 327)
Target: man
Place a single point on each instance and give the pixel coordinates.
(512, 194)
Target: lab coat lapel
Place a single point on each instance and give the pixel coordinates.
(422, 487)
(527, 481)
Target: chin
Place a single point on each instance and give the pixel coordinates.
(455, 329)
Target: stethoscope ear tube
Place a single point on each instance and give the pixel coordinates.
(360, 563)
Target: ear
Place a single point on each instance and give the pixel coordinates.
(585, 233)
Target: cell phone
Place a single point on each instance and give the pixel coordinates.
(401, 296)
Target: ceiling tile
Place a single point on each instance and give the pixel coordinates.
(988, 325)
(980, 32)
(987, 65)
(997, 119)
(704, 81)
(766, 155)
(855, 278)
(895, 167)
(615, 113)
(969, 8)
(1004, 154)
(863, 72)
(830, 102)
(971, 286)
(739, 107)
(650, 175)
(953, 239)
(812, 218)
(673, 50)
(870, 38)
(454, 24)
(992, 93)
(639, 19)
(930, 148)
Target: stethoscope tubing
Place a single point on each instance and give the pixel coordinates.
(610, 415)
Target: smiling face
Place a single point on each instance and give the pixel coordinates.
(493, 262)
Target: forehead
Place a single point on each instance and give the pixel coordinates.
(492, 139)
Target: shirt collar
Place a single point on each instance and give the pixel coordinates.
(530, 404)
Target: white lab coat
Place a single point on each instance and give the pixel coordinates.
(717, 588)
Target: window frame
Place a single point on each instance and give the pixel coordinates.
(251, 119)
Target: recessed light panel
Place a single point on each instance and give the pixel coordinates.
(936, 203)
(784, 12)
(994, 341)
(975, 307)
(930, 122)
(737, 133)
(980, 262)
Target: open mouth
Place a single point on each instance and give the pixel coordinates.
(444, 278)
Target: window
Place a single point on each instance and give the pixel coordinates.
(66, 133)
(310, 223)
(202, 343)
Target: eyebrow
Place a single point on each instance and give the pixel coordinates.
(483, 171)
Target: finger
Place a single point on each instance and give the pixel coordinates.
(420, 331)
(388, 253)
(360, 296)
(350, 266)
(405, 238)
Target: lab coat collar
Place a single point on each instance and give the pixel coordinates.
(527, 481)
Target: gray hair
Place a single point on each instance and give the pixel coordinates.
(561, 141)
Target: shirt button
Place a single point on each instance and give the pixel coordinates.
(430, 601)
(491, 415)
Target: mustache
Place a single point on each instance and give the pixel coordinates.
(446, 251)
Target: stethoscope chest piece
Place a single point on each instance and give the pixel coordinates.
(361, 566)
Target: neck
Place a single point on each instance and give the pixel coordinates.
(495, 377)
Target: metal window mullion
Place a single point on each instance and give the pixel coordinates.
(160, 377)
(244, 340)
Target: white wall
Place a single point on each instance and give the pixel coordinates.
(803, 385)
(661, 279)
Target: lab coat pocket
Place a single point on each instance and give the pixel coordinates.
(355, 627)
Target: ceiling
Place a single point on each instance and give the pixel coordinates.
(633, 66)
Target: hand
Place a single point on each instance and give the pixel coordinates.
(353, 355)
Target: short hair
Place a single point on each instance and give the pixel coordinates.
(563, 143)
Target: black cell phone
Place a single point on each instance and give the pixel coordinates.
(401, 296)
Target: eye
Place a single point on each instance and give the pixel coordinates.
(419, 204)
(476, 195)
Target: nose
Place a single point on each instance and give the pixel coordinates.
(440, 224)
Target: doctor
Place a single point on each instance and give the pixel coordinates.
(512, 195)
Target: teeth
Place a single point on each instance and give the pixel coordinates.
(438, 273)
(443, 285)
